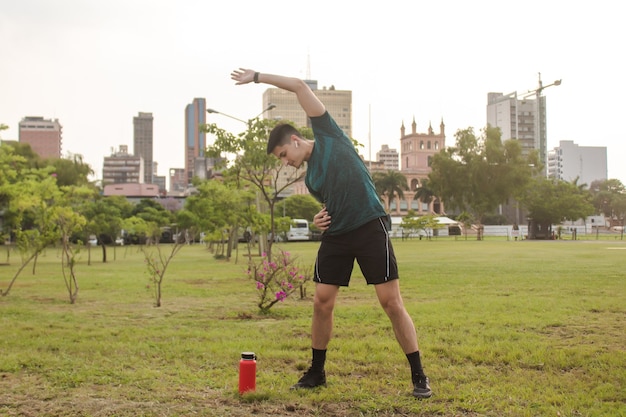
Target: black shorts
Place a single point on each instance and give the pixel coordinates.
(369, 245)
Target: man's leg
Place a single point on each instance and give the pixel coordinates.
(321, 330)
(323, 306)
(391, 300)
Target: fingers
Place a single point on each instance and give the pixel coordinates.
(322, 219)
(242, 76)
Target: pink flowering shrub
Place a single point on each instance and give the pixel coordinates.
(277, 279)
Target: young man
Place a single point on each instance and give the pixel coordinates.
(353, 222)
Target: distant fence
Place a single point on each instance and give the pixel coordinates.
(568, 232)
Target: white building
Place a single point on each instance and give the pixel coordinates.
(569, 161)
(389, 157)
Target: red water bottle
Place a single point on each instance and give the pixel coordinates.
(247, 372)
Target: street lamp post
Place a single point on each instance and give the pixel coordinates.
(248, 123)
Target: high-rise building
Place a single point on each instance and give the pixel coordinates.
(569, 161)
(158, 180)
(515, 118)
(522, 118)
(195, 140)
(389, 157)
(122, 168)
(43, 136)
(337, 102)
(178, 181)
(143, 143)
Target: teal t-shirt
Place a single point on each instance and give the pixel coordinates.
(337, 177)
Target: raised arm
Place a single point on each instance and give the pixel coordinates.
(309, 102)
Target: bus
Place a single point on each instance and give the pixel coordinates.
(299, 230)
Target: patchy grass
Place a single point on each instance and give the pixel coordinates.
(506, 329)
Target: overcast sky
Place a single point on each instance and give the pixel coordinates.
(95, 64)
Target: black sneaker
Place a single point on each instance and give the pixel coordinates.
(311, 379)
(421, 389)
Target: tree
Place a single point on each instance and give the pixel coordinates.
(425, 223)
(551, 202)
(480, 173)
(299, 206)
(71, 170)
(252, 166)
(424, 192)
(216, 208)
(609, 199)
(389, 185)
(153, 212)
(34, 205)
(157, 261)
(104, 218)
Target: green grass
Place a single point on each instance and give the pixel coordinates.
(505, 328)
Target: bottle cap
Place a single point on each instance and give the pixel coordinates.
(248, 355)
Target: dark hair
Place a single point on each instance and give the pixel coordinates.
(280, 136)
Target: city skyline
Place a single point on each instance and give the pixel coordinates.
(94, 66)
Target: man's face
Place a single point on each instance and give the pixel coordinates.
(290, 154)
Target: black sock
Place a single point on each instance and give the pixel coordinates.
(319, 359)
(416, 364)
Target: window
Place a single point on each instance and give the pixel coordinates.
(428, 145)
(421, 144)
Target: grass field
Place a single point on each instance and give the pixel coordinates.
(529, 328)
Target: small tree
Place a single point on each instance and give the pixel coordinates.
(157, 260)
(68, 221)
(276, 280)
(33, 206)
(253, 167)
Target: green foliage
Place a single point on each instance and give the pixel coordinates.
(105, 216)
(71, 170)
(412, 225)
(299, 206)
(609, 198)
(390, 184)
(479, 173)
(553, 201)
(424, 192)
(251, 166)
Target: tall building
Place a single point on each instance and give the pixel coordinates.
(522, 118)
(158, 180)
(389, 157)
(514, 117)
(178, 181)
(122, 168)
(569, 161)
(337, 102)
(143, 143)
(195, 140)
(43, 136)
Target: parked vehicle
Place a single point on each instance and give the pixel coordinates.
(299, 230)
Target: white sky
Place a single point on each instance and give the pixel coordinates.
(95, 64)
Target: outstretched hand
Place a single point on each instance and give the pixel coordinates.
(242, 76)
